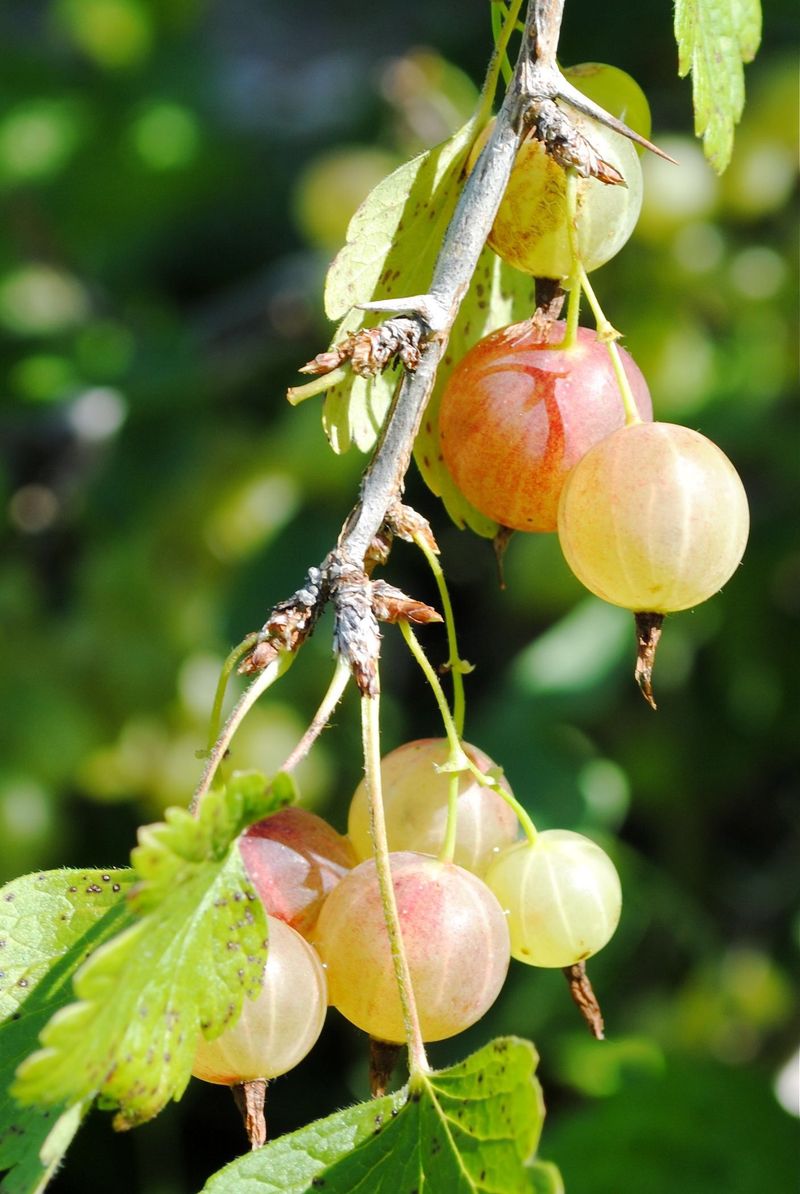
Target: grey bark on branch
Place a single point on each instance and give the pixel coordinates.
(529, 108)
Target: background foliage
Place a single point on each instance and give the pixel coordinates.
(174, 178)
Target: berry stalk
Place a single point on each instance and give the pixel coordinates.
(459, 760)
(370, 729)
(608, 333)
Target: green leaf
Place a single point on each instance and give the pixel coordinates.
(498, 295)
(42, 916)
(392, 244)
(185, 967)
(49, 923)
(472, 1128)
(715, 37)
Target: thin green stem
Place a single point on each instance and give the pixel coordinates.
(453, 737)
(609, 334)
(455, 663)
(298, 394)
(222, 685)
(448, 850)
(523, 816)
(272, 672)
(498, 61)
(499, 14)
(330, 700)
(370, 730)
(574, 307)
(458, 760)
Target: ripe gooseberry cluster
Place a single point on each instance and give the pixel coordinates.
(552, 901)
(547, 426)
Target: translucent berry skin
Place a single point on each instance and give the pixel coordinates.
(530, 228)
(455, 937)
(614, 90)
(562, 896)
(654, 518)
(293, 859)
(517, 414)
(277, 1029)
(415, 807)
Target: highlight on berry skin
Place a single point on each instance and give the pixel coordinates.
(561, 895)
(519, 411)
(455, 938)
(654, 518)
(280, 1026)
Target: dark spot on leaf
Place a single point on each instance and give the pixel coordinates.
(426, 462)
(482, 1176)
(22, 982)
(436, 1146)
(72, 889)
(221, 903)
(416, 1096)
(317, 1183)
(167, 1058)
(2, 943)
(12, 895)
(93, 889)
(106, 878)
(115, 887)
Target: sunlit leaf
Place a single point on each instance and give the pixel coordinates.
(392, 244)
(472, 1128)
(49, 923)
(715, 37)
(185, 967)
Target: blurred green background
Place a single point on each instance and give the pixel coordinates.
(174, 178)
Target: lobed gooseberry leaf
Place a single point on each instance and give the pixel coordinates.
(497, 295)
(715, 38)
(470, 1129)
(42, 916)
(392, 244)
(196, 948)
(49, 923)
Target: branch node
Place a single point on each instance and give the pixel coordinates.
(371, 350)
(356, 635)
(391, 604)
(427, 307)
